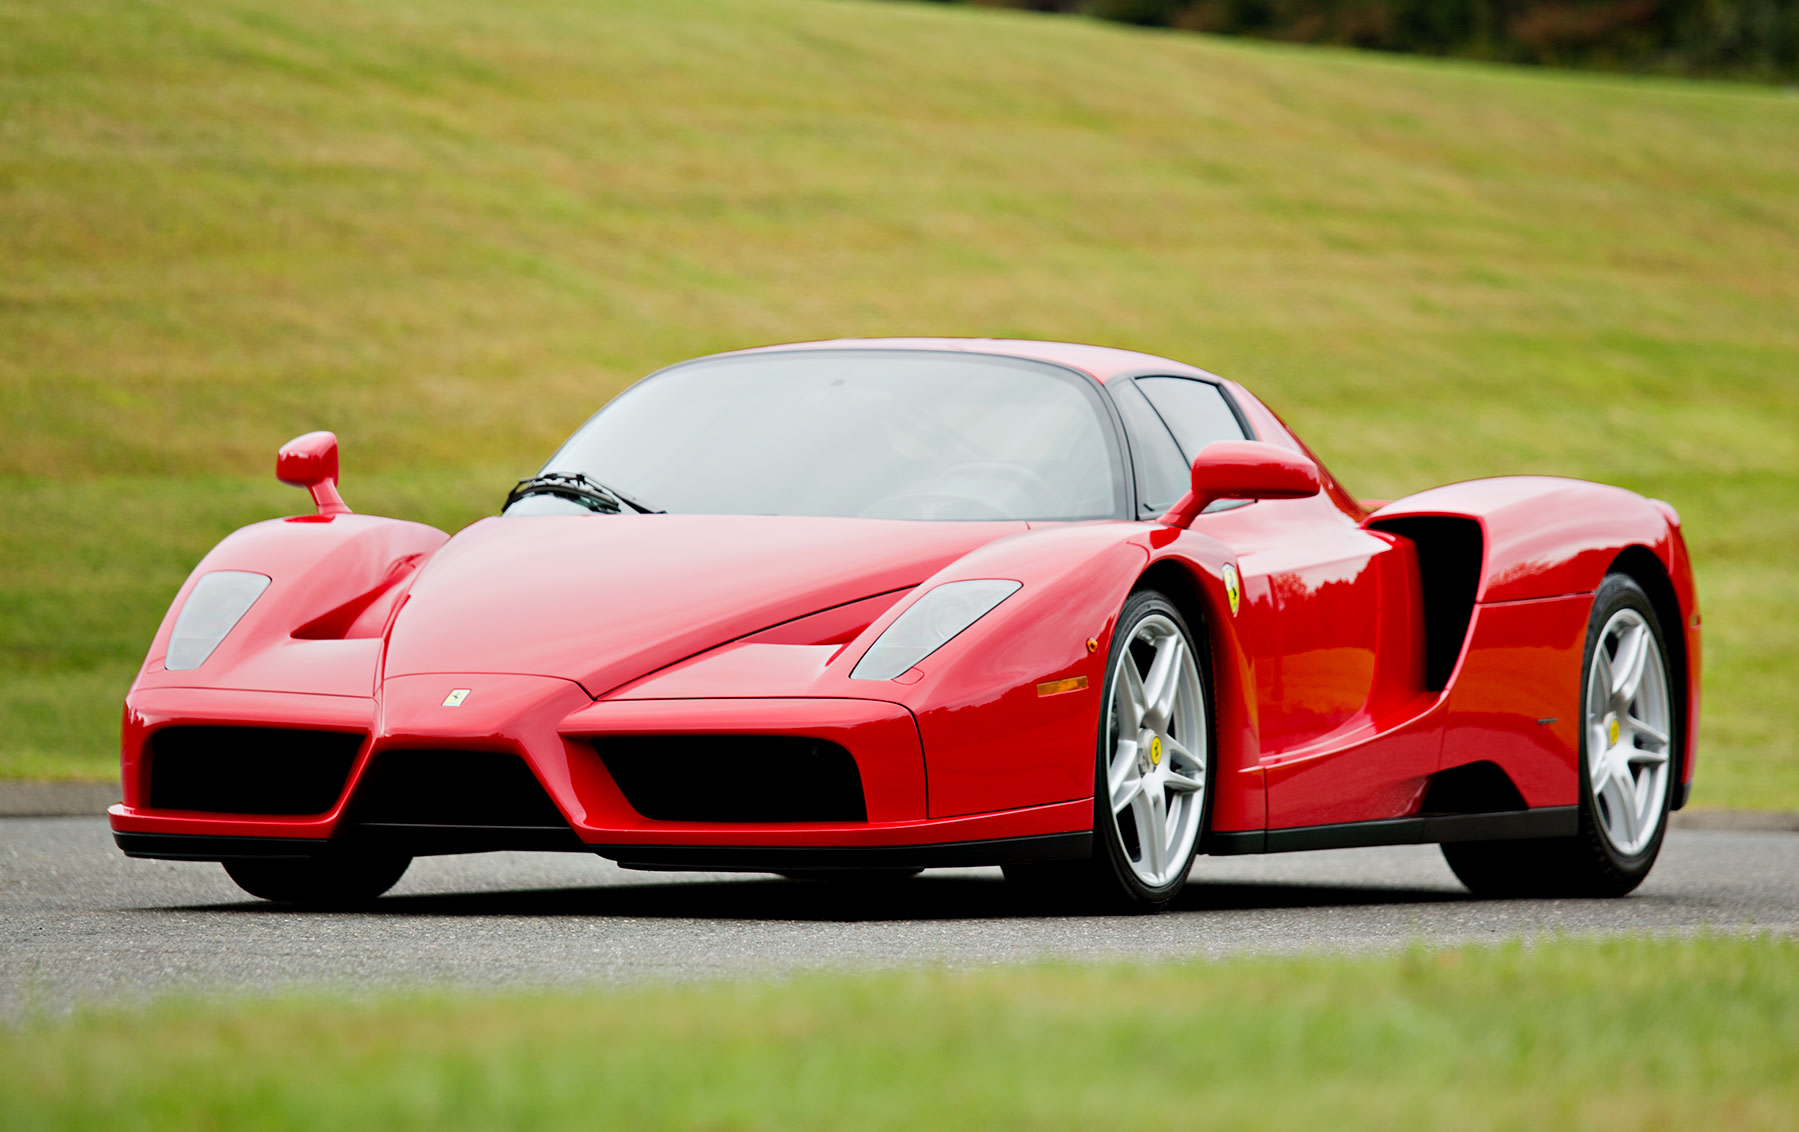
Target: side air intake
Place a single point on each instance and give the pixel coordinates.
(249, 770)
(735, 778)
(1449, 559)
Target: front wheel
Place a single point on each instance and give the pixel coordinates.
(1627, 767)
(334, 880)
(1152, 786)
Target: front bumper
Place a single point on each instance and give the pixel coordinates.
(552, 725)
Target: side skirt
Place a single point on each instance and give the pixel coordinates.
(408, 840)
(761, 859)
(421, 841)
(206, 847)
(1511, 825)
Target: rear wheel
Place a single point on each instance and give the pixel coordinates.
(333, 880)
(1152, 788)
(1627, 767)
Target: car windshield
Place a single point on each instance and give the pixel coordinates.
(886, 434)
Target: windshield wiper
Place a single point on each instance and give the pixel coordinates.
(591, 494)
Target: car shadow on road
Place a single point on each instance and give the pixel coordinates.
(775, 899)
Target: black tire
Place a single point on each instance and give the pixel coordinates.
(1587, 864)
(336, 880)
(1107, 880)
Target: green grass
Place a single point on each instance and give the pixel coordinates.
(1624, 1034)
(449, 229)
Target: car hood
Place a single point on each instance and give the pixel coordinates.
(603, 600)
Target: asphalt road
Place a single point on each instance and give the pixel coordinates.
(80, 922)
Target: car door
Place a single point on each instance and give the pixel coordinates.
(1334, 658)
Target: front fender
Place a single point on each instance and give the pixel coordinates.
(317, 626)
(996, 733)
(1009, 712)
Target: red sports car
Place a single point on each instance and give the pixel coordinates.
(862, 608)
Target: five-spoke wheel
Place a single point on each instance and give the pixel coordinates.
(1152, 781)
(1155, 739)
(1628, 721)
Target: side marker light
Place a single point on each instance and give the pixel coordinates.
(1057, 687)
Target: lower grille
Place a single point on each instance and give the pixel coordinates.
(735, 778)
(249, 770)
(468, 789)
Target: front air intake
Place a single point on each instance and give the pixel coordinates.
(421, 802)
(735, 778)
(452, 788)
(249, 770)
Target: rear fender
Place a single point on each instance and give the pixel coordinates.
(1544, 536)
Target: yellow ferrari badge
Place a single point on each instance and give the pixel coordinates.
(1614, 730)
(455, 698)
(1231, 590)
(1155, 750)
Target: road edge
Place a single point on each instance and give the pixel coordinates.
(23, 798)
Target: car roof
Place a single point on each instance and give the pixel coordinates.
(1103, 363)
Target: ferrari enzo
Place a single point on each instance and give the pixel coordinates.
(862, 608)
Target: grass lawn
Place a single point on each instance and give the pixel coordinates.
(450, 229)
(1625, 1034)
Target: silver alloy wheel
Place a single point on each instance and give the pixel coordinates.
(1157, 735)
(1628, 721)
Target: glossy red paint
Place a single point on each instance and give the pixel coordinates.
(1519, 693)
(310, 461)
(1243, 469)
(1337, 628)
(1680, 572)
(564, 630)
(1545, 536)
(326, 577)
(651, 590)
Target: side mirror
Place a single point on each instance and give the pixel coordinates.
(1243, 469)
(310, 462)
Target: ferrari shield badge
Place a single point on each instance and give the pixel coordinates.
(455, 698)
(1231, 590)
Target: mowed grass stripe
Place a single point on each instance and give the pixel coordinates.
(1620, 1034)
(450, 230)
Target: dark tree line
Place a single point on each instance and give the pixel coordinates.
(1755, 39)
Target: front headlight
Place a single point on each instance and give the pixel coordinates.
(214, 607)
(932, 622)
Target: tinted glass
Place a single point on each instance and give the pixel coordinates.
(1195, 411)
(878, 434)
(1162, 475)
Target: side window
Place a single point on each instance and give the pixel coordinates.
(1162, 475)
(1196, 412)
